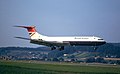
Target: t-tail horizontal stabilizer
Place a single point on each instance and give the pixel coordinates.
(23, 38)
(29, 28)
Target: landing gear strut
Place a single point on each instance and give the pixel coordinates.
(95, 52)
(95, 48)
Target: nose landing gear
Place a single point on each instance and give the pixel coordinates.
(95, 48)
(95, 51)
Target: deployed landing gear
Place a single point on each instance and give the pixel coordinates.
(95, 48)
(53, 48)
(59, 48)
(95, 51)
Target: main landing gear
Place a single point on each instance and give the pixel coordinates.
(53, 48)
(59, 48)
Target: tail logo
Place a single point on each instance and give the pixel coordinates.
(31, 34)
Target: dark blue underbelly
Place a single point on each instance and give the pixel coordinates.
(86, 43)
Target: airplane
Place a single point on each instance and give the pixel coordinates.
(60, 42)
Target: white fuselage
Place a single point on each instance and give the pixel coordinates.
(53, 42)
(73, 40)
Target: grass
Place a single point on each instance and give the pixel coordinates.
(12, 67)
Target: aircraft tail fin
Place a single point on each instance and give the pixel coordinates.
(32, 32)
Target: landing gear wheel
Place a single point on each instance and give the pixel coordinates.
(53, 48)
(61, 48)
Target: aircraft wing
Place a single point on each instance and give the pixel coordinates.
(46, 43)
(42, 42)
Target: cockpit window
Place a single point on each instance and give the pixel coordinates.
(100, 39)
